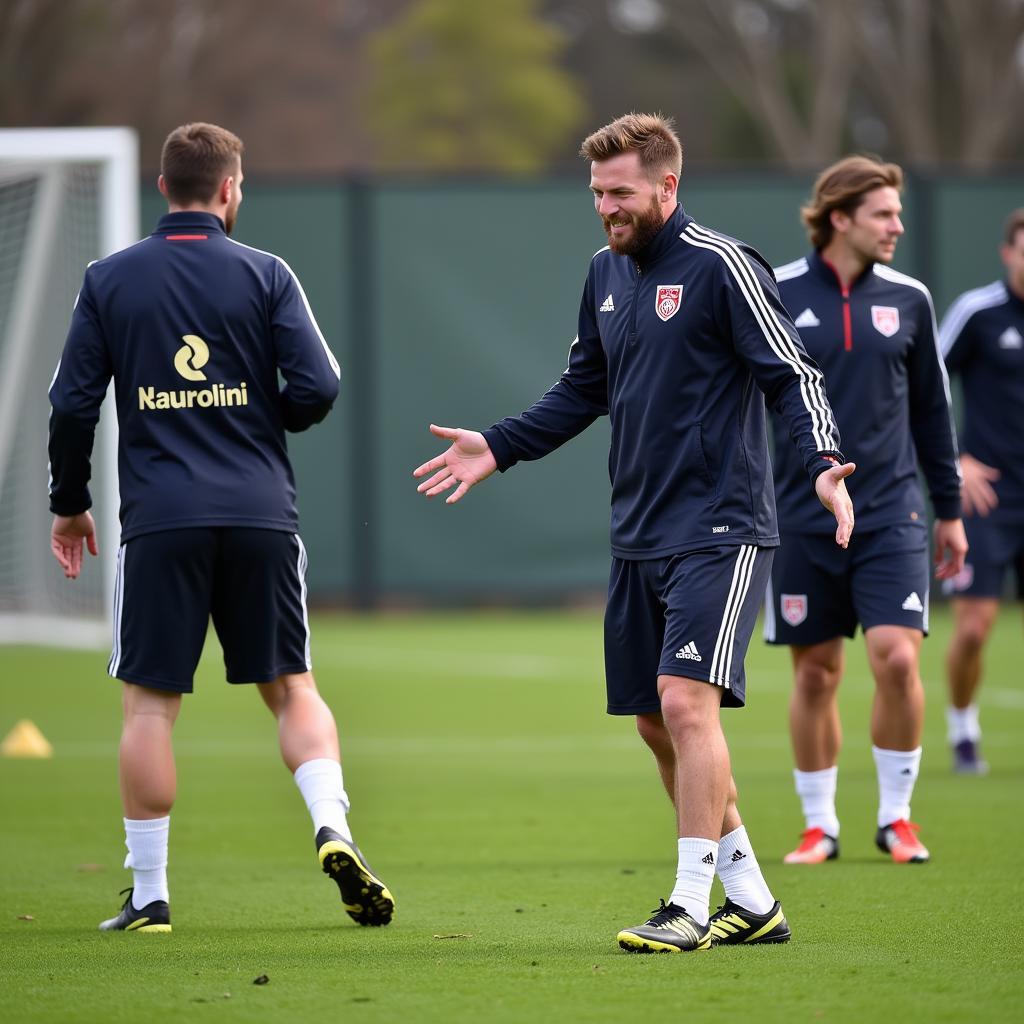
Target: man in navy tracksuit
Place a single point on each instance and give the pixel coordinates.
(194, 329)
(681, 339)
(872, 331)
(982, 339)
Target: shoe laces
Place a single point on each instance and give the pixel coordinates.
(810, 837)
(664, 913)
(906, 832)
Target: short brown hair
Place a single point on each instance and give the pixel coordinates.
(196, 158)
(1014, 223)
(843, 187)
(651, 136)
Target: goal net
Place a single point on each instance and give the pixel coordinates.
(67, 197)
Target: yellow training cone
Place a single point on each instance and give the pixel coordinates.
(25, 740)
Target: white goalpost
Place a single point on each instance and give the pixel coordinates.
(67, 196)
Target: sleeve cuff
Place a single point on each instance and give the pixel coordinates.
(947, 508)
(500, 448)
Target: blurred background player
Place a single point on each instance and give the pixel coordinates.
(982, 339)
(194, 329)
(680, 331)
(871, 329)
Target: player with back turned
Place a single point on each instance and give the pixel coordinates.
(681, 340)
(872, 331)
(982, 338)
(194, 328)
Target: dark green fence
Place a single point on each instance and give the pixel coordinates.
(456, 303)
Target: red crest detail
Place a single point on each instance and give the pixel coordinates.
(794, 608)
(667, 300)
(886, 320)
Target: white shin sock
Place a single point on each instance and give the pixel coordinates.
(897, 772)
(322, 787)
(741, 874)
(694, 875)
(817, 792)
(146, 840)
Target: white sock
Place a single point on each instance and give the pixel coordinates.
(694, 875)
(741, 874)
(817, 792)
(897, 773)
(146, 840)
(962, 724)
(321, 786)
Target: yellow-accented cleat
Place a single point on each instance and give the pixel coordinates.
(365, 897)
(153, 917)
(733, 925)
(669, 930)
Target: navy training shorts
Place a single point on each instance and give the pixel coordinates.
(169, 584)
(994, 547)
(818, 591)
(689, 614)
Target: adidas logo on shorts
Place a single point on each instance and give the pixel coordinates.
(689, 651)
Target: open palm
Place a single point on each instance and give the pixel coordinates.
(465, 463)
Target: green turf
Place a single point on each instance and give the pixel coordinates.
(519, 828)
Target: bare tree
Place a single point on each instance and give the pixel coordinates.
(929, 80)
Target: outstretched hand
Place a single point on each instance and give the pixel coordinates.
(833, 494)
(465, 463)
(66, 537)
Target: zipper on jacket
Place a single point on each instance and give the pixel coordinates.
(636, 300)
(845, 292)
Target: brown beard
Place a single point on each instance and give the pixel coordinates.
(645, 226)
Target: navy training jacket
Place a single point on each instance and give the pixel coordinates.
(194, 328)
(982, 339)
(876, 344)
(676, 346)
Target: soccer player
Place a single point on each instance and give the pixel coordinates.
(194, 328)
(982, 339)
(871, 330)
(680, 332)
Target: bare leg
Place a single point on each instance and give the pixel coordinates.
(973, 618)
(654, 733)
(703, 777)
(306, 728)
(651, 728)
(897, 715)
(814, 725)
(147, 771)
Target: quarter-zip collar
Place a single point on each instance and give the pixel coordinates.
(827, 272)
(662, 241)
(186, 221)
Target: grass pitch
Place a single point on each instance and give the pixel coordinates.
(519, 828)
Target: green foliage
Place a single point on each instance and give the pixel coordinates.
(464, 85)
(519, 828)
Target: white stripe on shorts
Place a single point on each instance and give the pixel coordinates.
(115, 655)
(721, 663)
(300, 566)
(769, 612)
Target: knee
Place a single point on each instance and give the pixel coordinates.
(971, 633)
(278, 693)
(818, 680)
(899, 666)
(653, 732)
(682, 713)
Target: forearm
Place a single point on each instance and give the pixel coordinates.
(70, 451)
(557, 417)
